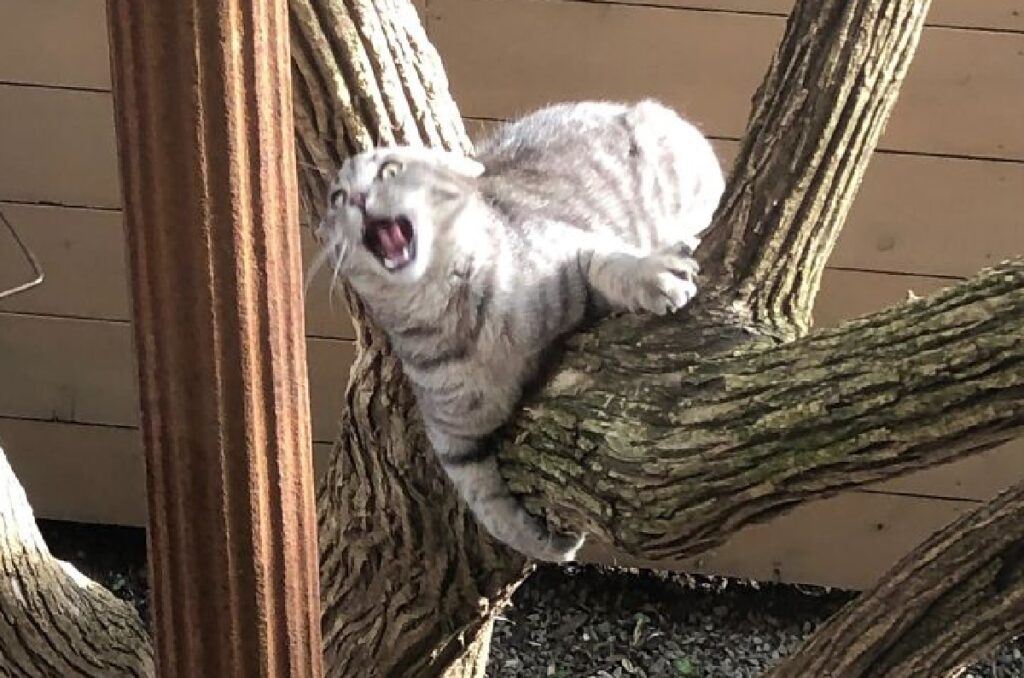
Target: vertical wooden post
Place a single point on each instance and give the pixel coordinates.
(202, 96)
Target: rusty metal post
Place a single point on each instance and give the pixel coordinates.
(202, 94)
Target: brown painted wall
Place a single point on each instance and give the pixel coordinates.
(943, 197)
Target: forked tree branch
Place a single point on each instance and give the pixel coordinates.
(384, 506)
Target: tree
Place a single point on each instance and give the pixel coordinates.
(719, 417)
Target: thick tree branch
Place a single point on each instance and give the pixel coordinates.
(54, 621)
(664, 451)
(815, 122)
(954, 598)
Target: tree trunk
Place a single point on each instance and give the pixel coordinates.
(53, 620)
(409, 583)
(814, 124)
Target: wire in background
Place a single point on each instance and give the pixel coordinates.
(37, 269)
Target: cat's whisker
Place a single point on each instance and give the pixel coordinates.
(321, 258)
(334, 278)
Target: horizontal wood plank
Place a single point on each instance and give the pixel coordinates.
(580, 51)
(82, 371)
(82, 255)
(58, 147)
(928, 215)
(326, 313)
(96, 474)
(1004, 15)
(850, 294)
(71, 242)
(64, 43)
(57, 42)
(47, 454)
(900, 223)
(87, 474)
(964, 94)
(980, 476)
(846, 541)
(937, 216)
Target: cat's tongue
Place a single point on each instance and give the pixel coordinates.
(394, 246)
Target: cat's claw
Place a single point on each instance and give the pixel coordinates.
(666, 282)
(557, 547)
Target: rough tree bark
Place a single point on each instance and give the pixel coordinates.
(409, 584)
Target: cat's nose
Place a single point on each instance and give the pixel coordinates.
(358, 199)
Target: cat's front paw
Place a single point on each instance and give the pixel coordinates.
(666, 281)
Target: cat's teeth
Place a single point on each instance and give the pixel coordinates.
(405, 253)
(388, 264)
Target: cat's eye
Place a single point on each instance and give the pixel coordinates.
(389, 169)
(336, 195)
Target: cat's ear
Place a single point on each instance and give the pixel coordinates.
(450, 160)
(462, 164)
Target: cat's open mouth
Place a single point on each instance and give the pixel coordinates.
(391, 240)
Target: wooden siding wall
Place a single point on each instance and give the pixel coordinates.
(943, 198)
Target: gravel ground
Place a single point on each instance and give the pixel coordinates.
(577, 622)
(599, 622)
(112, 556)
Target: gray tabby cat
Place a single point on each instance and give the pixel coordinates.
(475, 267)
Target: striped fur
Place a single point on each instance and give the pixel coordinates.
(572, 207)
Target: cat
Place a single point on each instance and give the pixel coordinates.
(475, 266)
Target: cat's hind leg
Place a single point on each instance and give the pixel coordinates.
(473, 469)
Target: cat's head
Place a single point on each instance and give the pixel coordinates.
(391, 212)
